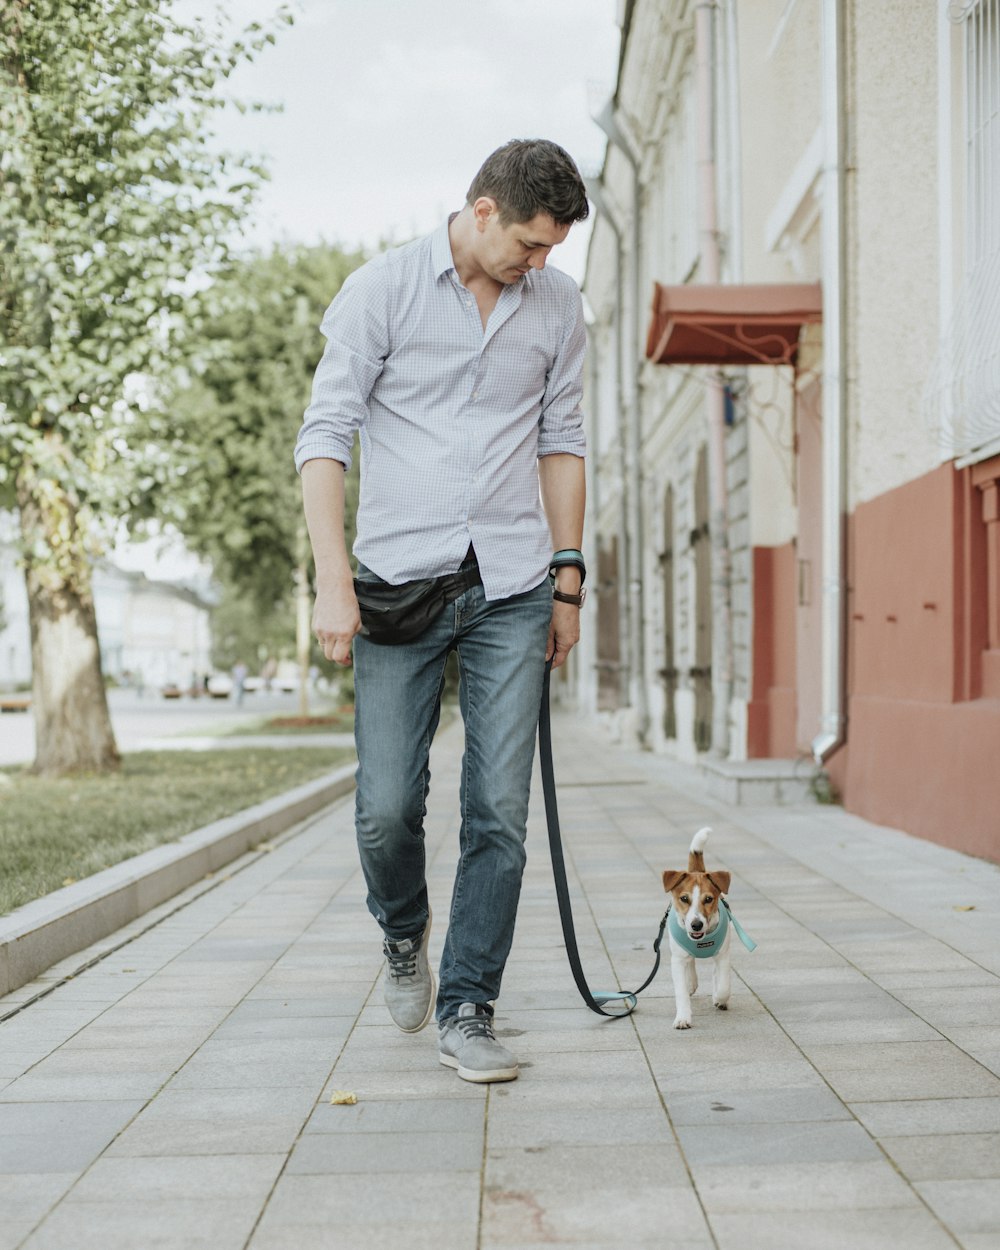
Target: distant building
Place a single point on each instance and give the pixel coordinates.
(152, 633)
(795, 272)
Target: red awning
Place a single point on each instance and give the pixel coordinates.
(731, 325)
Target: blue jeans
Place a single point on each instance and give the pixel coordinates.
(501, 656)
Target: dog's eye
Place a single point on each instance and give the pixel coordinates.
(708, 900)
(685, 898)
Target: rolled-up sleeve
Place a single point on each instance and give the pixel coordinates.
(561, 420)
(355, 328)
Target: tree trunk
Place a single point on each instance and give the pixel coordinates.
(72, 724)
(303, 633)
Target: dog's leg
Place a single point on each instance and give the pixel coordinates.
(722, 980)
(681, 969)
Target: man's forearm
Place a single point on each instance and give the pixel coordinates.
(562, 478)
(335, 615)
(323, 500)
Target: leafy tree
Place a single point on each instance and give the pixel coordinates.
(256, 344)
(110, 199)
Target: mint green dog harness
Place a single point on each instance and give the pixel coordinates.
(709, 944)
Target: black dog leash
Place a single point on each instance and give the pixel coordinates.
(594, 1000)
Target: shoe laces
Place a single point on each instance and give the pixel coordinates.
(479, 1025)
(402, 963)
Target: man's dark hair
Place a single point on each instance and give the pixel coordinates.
(531, 176)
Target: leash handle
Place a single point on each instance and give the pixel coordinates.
(595, 1001)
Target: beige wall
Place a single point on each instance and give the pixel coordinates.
(892, 225)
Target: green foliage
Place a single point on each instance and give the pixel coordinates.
(254, 347)
(111, 199)
(241, 631)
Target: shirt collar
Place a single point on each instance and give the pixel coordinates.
(441, 248)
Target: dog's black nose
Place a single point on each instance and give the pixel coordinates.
(697, 925)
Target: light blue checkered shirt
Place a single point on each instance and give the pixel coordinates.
(452, 419)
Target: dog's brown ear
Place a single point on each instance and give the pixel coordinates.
(670, 879)
(721, 881)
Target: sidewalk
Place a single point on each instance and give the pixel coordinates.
(177, 1093)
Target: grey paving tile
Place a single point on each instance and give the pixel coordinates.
(299, 1028)
(217, 1122)
(38, 1086)
(749, 1106)
(956, 1077)
(261, 1074)
(293, 1007)
(431, 1080)
(135, 1180)
(946, 1156)
(831, 1230)
(861, 1031)
(809, 1142)
(27, 1197)
(159, 1224)
(13, 1232)
(956, 1005)
(965, 1206)
(448, 1199)
(58, 1137)
(14, 1063)
(517, 1125)
(709, 1078)
(428, 1234)
(136, 1037)
(828, 1186)
(919, 1117)
(555, 1090)
(444, 1115)
(521, 1206)
(382, 1153)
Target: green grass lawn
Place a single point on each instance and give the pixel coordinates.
(53, 832)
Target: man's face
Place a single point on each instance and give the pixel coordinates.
(506, 253)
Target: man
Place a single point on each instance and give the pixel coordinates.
(459, 359)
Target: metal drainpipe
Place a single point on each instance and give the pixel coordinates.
(709, 270)
(639, 696)
(596, 193)
(833, 725)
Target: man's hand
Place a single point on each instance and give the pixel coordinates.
(336, 619)
(564, 632)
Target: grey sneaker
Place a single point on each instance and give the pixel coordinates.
(409, 982)
(468, 1044)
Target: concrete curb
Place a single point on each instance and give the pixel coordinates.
(41, 933)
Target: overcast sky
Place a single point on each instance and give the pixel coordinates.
(390, 106)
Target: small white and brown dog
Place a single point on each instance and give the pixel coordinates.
(699, 928)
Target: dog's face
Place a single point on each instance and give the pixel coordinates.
(696, 898)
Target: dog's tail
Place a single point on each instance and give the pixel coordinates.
(696, 859)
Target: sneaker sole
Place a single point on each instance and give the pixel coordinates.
(478, 1077)
(433, 994)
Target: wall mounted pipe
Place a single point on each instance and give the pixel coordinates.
(595, 191)
(833, 725)
(709, 269)
(638, 694)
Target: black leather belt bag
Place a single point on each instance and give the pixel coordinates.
(391, 615)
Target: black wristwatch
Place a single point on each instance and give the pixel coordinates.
(576, 600)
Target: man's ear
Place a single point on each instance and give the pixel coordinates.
(482, 210)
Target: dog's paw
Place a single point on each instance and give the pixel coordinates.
(682, 1022)
(722, 1006)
